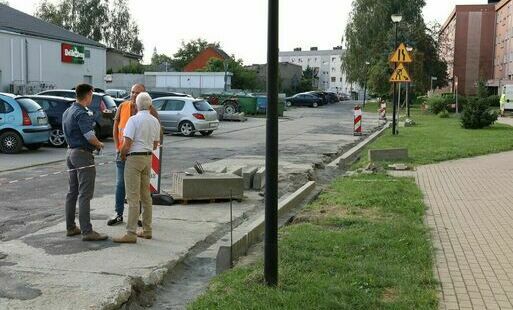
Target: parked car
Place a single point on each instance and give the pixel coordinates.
(320, 94)
(303, 99)
(159, 94)
(343, 97)
(186, 115)
(117, 93)
(22, 123)
(103, 107)
(332, 97)
(54, 107)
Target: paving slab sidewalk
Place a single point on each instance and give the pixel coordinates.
(46, 270)
(470, 212)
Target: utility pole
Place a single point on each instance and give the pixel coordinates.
(271, 150)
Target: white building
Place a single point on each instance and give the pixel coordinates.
(326, 65)
(36, 55)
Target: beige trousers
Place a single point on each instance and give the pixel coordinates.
(137, 186)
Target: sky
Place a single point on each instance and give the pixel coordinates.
(241, 25)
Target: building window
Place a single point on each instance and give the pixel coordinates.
(333, 58)
(87, 53)
(333, 79)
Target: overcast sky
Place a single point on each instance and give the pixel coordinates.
(241, 25)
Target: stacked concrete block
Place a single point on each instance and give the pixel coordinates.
(208, 186)
(259, 179)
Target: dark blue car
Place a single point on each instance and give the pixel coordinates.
(54, 107)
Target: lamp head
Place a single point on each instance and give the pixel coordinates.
(397, 18)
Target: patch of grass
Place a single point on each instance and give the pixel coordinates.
(434, 139)
(361, 245)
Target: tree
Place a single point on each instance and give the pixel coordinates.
(188, 51)
(159, 61)
(243, 78)
(98, 20)
(4, 2)
(370, 36)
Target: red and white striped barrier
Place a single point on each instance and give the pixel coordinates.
(156, 165)
(357, 121)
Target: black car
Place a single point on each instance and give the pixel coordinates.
(103, 107)
(303, 99)
(54, 107)
(159, 94)
(321, 95)
(332, 97)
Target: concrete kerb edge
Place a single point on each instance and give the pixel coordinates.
(350, 156)
(33, 166)
(255, 230)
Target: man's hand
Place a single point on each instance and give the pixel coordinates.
(122, 155)
(100, 146)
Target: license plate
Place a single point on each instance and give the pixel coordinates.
(213, 125)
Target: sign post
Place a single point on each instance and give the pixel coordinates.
(158, 197)
(400, 74)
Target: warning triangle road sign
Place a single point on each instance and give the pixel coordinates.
(400, 75)
(401, 55)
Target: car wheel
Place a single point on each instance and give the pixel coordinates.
(288, 104)
(57, 138)
(315, 105)
(187, 129)
(34, 147)
(206, 132)
(10, 142)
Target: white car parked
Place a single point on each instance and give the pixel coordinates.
(186, 115)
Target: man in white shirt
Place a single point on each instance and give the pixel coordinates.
(141, 137)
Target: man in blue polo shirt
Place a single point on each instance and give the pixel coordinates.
(77, 124)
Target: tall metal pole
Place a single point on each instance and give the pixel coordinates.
(364, 92)
(394, 109)
(271, 150)
(408, 99)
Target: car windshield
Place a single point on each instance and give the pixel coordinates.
(29, 105)
(202, 106)
(109, 102)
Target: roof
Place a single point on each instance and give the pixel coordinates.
(18, 22)
(220, 52)
(312, 53)
(125, 54)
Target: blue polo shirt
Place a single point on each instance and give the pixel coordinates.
(77, 125)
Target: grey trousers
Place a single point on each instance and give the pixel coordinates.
(81, 188)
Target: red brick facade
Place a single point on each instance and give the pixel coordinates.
(202, 59)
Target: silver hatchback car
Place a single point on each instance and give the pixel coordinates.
(186, 115)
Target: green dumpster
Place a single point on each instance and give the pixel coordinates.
(247, 104)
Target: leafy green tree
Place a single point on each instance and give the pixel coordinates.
(4, 2)
(242, 78)
(188, 51)
(98, 20)
(161, 60)
(370, 36)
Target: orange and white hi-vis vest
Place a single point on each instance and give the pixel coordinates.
(126, 110)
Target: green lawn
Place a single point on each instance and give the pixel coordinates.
(361, 245)
(434, 139)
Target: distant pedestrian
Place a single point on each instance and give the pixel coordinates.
(502, 103)
(126, 110)
(141, 137)
(77, 124)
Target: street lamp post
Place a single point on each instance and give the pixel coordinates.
(365, 85)
(225, 64)
(409, 49)
(271, 149)
(396, 19)
(433, 78)
(456, 93)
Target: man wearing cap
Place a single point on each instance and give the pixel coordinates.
(141, 137)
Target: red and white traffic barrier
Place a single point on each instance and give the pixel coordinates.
(357, 121)
(383, 111)
(156, 165)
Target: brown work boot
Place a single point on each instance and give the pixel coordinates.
(144, 235)
(73, 231)
(127, 238)
(94, 236)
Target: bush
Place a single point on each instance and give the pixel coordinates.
(437, 104)
(494, 100)
(418, 101)
(478, 114)
(444, 114)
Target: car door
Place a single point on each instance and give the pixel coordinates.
(163, 108)
(176, 115)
